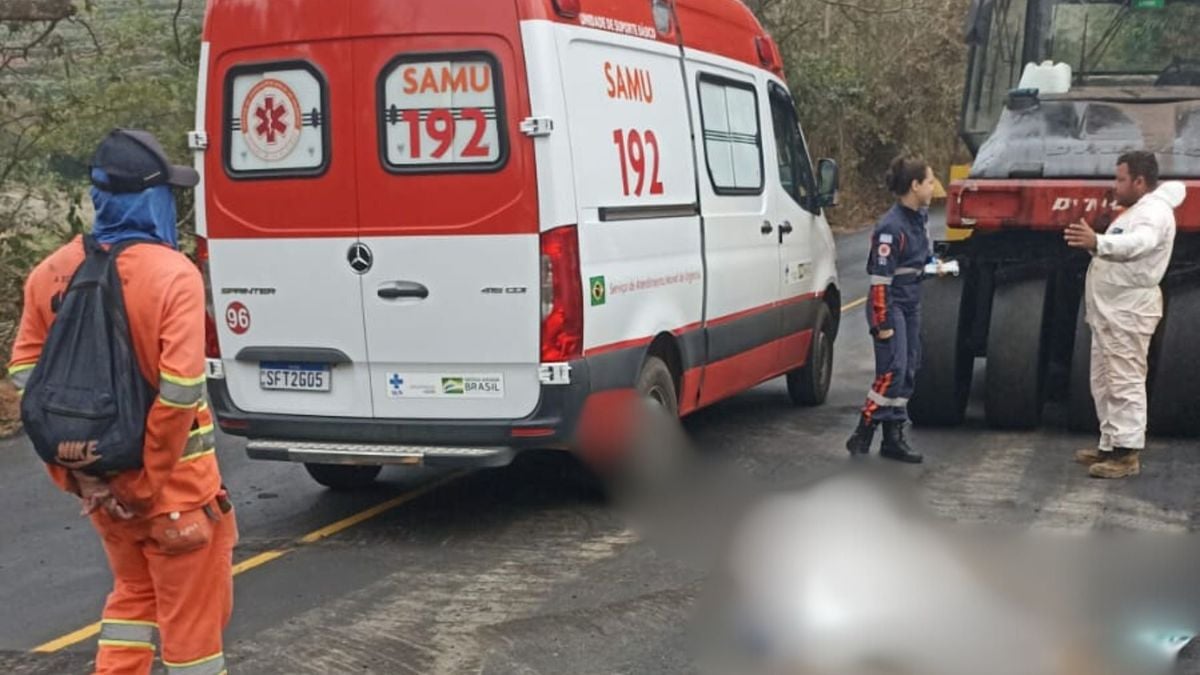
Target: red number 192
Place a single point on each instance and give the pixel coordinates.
(441, 126)
(633, 149)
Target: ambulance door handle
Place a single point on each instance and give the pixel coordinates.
(401, 290)
(767, 227)
(785, 228)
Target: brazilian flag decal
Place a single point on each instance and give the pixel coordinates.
(599, 291)
(454, 386)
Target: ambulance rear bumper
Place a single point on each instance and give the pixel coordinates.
(551, 426)
(379, 454)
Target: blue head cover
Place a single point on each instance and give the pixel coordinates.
(148, 215)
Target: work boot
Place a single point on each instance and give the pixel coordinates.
(860, 441)
(1120, 463)
(1089, 456)
(895, 446)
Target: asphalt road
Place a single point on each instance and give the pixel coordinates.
(527, 569)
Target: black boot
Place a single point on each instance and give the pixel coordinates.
(895, 446)
(859, 442)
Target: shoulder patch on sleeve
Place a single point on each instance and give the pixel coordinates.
(886, 238)
(884, 250)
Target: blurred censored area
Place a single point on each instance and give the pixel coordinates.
(852, 574)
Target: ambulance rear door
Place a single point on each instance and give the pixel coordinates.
(448, 210)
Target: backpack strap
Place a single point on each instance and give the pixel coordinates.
(90, 245)
(99, 269)
(93, 267)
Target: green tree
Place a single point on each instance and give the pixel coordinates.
(872, 79)
(68, 76)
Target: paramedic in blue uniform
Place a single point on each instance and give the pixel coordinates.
(900, 249)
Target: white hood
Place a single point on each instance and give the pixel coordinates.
(1172, 192)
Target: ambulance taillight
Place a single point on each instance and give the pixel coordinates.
(562, 296)
(212, 348)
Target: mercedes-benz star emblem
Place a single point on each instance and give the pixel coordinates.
(360, 258)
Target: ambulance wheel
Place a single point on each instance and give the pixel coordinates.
(1016, 354)
(656, 383)
(343, 476)
(808, 385)
(657, 448)
(1081, 409)
(943, 383)
(1175, 380)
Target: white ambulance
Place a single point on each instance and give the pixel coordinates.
(434, 231)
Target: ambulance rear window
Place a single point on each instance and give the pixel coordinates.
(276, 121)
(442, 112)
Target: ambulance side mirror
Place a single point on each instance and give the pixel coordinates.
(827, 183)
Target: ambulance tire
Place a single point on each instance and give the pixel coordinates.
(808, 385)
(656, 383)
(1081, 409)
(342, 476)
(943, 384)
(1175, 378)
(658, 447)
(1016, 354)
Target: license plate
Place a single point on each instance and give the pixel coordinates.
(295, 377)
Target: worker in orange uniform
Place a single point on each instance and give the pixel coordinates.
(167, 527)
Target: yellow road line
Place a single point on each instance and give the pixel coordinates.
(857, 303)
(351, 521)
(69, 639)
(90, 631)
(259, 560)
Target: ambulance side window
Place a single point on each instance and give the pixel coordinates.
(795, 169)
(732, 136)
(276, 121)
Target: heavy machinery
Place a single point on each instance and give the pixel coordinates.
(1055, 91)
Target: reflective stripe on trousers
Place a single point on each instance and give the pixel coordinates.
(885, 401)
(127, 633)
(212, 665)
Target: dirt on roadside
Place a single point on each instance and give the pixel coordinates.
(10, 410)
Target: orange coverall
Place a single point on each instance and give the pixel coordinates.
(188, 596)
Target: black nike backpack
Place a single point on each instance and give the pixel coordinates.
(86, 401)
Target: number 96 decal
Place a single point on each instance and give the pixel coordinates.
(237, 318)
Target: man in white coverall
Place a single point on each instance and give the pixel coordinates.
(1124, 305)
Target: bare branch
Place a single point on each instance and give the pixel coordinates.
(88, 27)
(865, 10)
(175, 28)
(11, 54)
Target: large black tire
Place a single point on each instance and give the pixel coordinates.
(343, 476)
(656, 383)
(1081, 408)
(809, 384)
(943, 382)
(1016, 354)
(1175, 380)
